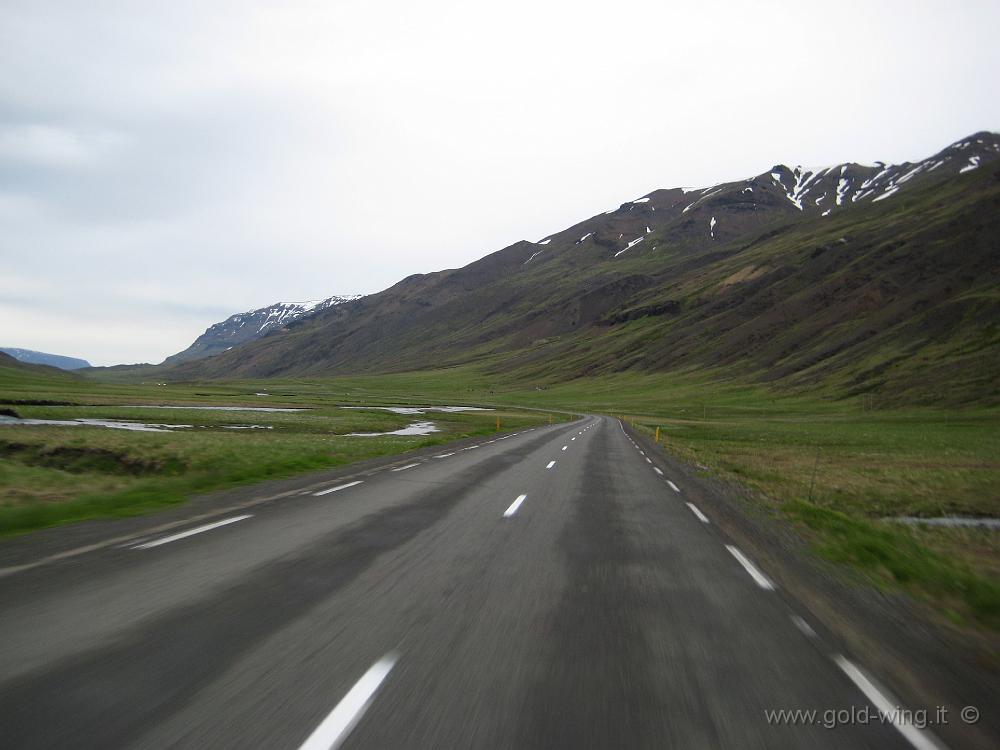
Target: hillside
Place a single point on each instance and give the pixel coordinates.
(251, 325)
(42, 358)
(850, 278)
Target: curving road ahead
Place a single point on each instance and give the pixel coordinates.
(556, 588)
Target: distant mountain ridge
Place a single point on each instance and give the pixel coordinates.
(858, 277)
(252, 324)
(32, 357)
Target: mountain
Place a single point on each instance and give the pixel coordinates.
(851, 278)
(248, 326)
(41, 358)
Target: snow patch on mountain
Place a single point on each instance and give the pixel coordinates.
(630, 245)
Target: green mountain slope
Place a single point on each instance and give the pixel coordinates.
(849, 279)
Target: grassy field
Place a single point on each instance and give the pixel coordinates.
(51, 474)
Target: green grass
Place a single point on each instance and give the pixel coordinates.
(51, 475)
(896, 555)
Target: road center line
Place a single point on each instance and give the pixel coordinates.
(889, 708)
(514, 506)
(550, 464)
(648, 461)
(338, 488)
(404, 468)
(658, 470)
(701, 516)
(444, 455)
(191, 532)
(564, 447)
(335, 728)
(759, 578)
(673, 486)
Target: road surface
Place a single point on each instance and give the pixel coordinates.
(555, 588)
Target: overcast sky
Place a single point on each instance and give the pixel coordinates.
(165, 165)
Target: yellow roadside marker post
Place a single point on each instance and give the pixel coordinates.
(657, 438)
(498, 424)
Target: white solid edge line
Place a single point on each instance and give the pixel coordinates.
(191, 532)
(335, 728)
(551, 464)
(338, 488)
(673, 486)
(514, 506)
(658, 470)
(890, 709)
(444, 455)
(404, 468)
(759, 578)
(701, 516)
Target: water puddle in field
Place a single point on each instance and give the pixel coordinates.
(415, 428)
(120, 424)
(113, 424)
(420, 409)
(950, 522)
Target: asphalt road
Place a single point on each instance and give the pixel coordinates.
(549, 589)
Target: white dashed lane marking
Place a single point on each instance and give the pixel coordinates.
(887, 706)
(514, 506)
(190, 532)
(759, 578)
(338, 488)
(335, 728)
(803, 626)
(701, 516)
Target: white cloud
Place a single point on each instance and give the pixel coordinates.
(223, 155)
